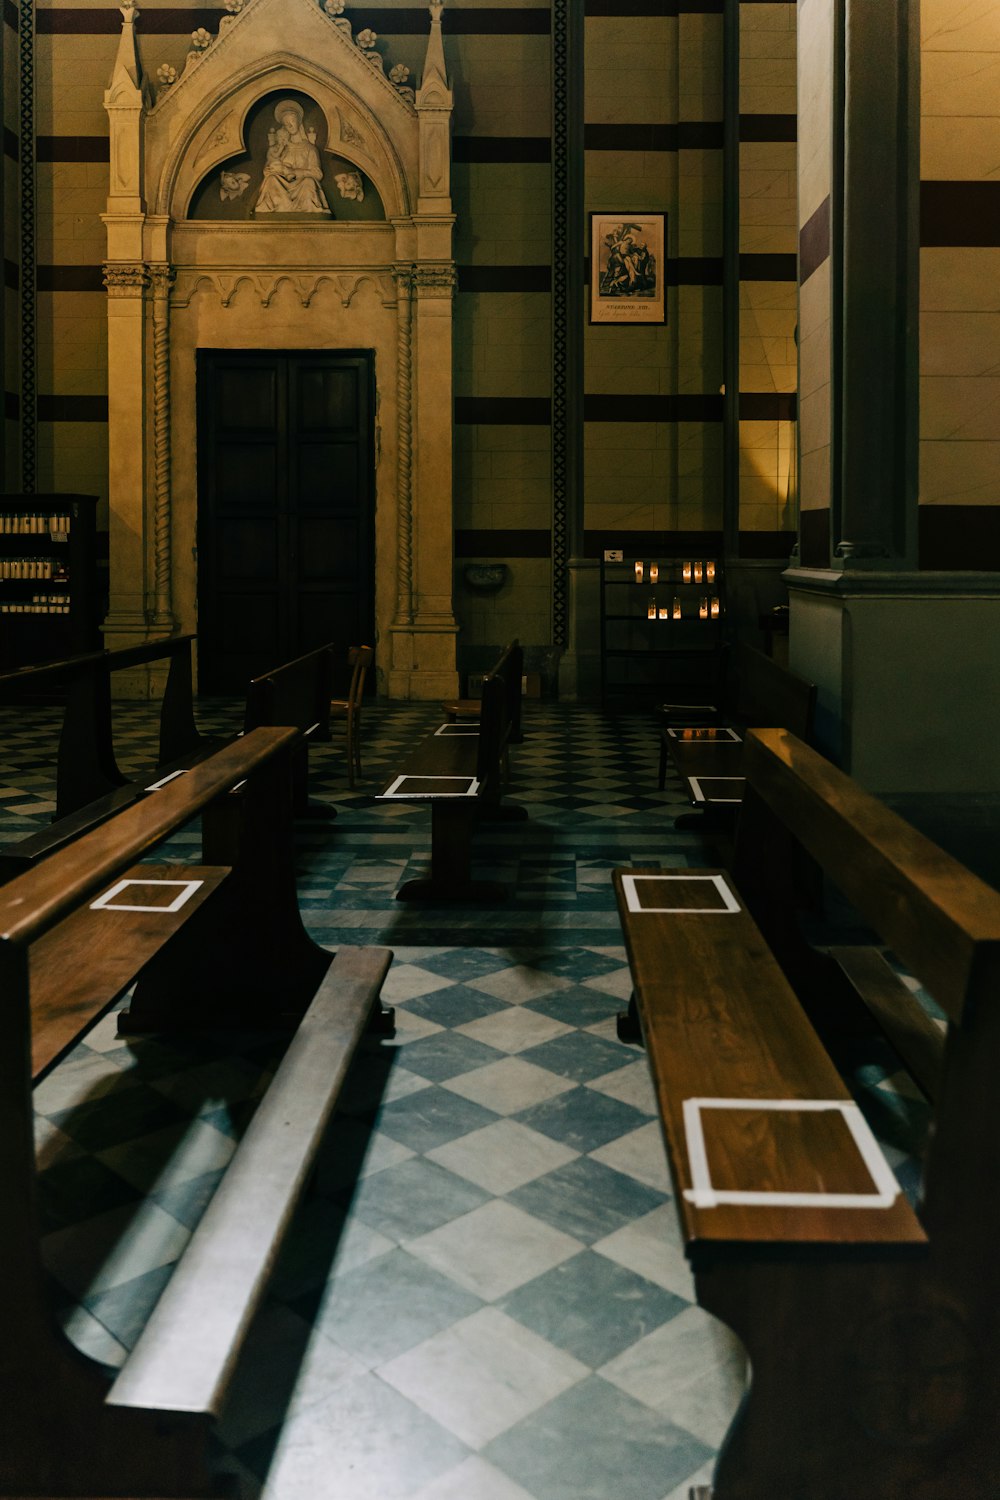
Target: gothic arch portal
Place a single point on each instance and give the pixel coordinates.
(178, 283)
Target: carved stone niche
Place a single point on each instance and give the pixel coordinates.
(378, 275)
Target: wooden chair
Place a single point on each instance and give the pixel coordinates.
(359, 659)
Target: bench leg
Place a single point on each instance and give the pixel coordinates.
(627, 1022)
(867, 1381)
(451, 860)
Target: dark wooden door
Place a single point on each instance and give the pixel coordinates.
(285, 509)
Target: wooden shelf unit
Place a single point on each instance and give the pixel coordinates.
(662, 626)
(49, 604)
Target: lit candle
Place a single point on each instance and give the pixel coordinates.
(638, 572)
(654, 572)
(715, 608)
(703, 610)
(686, 572)
(710, 572)
(677, 608)
(697, 572)
(664, 612)
(651, 611)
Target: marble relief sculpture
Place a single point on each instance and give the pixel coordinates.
(293, 170)
(350, 185)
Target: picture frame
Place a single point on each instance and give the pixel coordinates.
(628, 255)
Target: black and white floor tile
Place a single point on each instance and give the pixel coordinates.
(485, 1297)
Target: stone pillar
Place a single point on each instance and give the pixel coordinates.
(162, 278)
(424, 646)
(899, 647)
(127, 613)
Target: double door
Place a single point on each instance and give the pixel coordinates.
(285, 509)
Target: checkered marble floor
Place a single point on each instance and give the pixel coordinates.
(485, 1297)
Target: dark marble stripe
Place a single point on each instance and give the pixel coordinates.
(72, 147)
(709, 543)
(768, 406)
(500, 543)
(678, 408)
(487, 20)
(754, 267)
(766, 543)
(11, 144)
(960, 537)
(91, 21)
(686, 135)
(768, 127)
(521, 411)
(501, 148)
(814, 241)
(11, 275)
(624, 9)
(70, 279)
(959, 214)
(11, 405)
(814, 538)
(10, 15)
(72, 408)
(505, 278)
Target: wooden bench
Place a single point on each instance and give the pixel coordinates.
(298, 693)
(457, 772)
(90, 787)
(873, 1331)
(707, 750)
(218, 946)
(509, 666)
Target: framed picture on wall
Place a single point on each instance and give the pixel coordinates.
(627, 266)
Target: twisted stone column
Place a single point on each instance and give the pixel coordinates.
(162, 278)
(404, 472)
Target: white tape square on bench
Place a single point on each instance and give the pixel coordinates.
(469, 789)
(457, 731)
(699, 794)
(703, 1195)
(107, 902)
(630, 885)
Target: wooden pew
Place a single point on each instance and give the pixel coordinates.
(708, 756)
(510, 666)
(90, 787)
(298, 693)
(873, 1331)
(217, 946)
(457, 771)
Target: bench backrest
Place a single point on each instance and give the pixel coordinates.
(510, 666)
(494, 730)
(938, 918)
(297, 693)
(767, 693)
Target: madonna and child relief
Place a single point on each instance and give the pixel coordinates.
(286, 169)
(293, 171)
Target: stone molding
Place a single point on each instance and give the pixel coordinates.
(266, 284)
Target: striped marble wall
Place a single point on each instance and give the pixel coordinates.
(767, 272)
(960, 285)
(653, 413)
(10, 354)
(816, 175)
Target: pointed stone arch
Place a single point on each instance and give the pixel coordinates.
(177, 284)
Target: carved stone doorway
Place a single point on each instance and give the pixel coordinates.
(194, 265)
(285, 508)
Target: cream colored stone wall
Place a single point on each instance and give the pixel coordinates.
(960, 261)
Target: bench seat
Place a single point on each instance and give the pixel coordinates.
(184, 1355)
(872, 1328)
(721, 1022)
(216, 947)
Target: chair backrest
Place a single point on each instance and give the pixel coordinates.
(359, 659)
